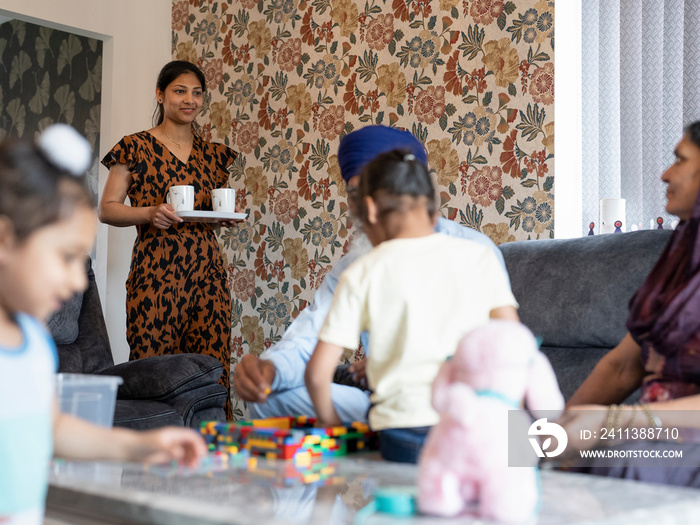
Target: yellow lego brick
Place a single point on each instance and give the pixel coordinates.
(302, 459)
(261, 443)
(207, 427)
(311, 478)
(313, 439)
(273, 422)
(328, 443)
(361, 427)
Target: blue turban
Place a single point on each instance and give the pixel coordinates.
(361, 146)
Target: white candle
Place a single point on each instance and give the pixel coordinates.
(612, 210)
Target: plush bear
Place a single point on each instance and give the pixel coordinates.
(464, 464)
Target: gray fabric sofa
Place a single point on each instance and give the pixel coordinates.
(574, 293)
(177, 390)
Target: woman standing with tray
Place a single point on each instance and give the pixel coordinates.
(177, 300)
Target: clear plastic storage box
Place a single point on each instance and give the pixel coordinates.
(87, 396)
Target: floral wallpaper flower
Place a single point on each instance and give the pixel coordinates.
(49, 76)
(287, 79)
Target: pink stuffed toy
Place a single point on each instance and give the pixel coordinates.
(465, 458)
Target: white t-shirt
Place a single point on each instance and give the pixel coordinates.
(416, 297)
(27, 375)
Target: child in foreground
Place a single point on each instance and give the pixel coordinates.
(47, 226)
(416, 294)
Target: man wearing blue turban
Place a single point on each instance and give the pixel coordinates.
(273, 384)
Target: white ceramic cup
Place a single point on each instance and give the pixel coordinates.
(223, 199)
(181, 198)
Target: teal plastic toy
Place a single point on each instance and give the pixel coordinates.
(397, 501)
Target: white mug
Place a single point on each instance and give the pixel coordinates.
(181, 198)
(224, 200)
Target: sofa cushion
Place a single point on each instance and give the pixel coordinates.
(70, 359)
(575, 292)
(145, 415)
(163, 377)
(63, 324)
(572, 365)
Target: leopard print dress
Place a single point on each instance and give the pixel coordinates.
(177, 298)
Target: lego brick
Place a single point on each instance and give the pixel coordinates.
(288, 437)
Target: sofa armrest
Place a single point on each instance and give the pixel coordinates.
(203, 404)
(162, 378)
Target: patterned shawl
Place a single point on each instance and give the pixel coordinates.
(665, 311)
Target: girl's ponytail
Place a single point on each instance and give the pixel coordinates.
(393, 177)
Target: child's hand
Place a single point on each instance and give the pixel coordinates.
(359, 371)
(318, 377)
(170, 443)
(325, 423)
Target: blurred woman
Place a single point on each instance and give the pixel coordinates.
(661, 351)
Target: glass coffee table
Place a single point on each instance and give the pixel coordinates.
(245, 491)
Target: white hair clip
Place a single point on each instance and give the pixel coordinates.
(409, 156)
(65, 148)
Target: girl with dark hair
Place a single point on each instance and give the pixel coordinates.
(416, 294)
(47, 227)
(177, 300)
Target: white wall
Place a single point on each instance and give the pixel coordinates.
(136, 37)
(568, 192)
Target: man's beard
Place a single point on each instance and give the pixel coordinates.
(360, 241)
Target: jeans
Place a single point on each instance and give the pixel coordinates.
(350, 403)
(402, 444)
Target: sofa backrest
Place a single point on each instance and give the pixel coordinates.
(80, 332)
(575, 292)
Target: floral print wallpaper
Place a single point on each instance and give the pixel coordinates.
(286, 79)
(49, 76)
